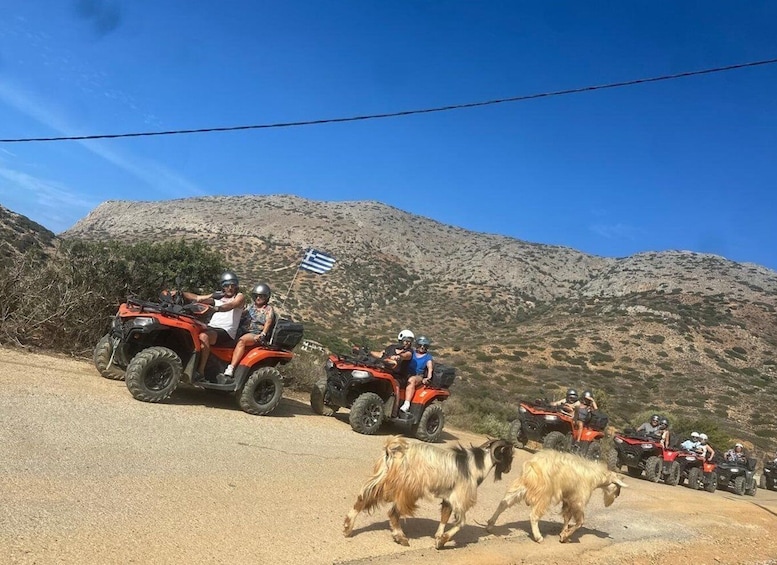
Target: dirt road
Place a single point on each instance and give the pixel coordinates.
(89, 475)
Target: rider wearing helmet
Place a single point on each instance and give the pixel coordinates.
(568, 403)
(223, 325)
(705, 449)
(397, 356)
(663, 427)
(257, 323)
(421, 368)
(583, 412)
(651, 428)
(691, 443)
(736, 454)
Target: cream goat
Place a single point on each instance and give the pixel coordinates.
(551, 477)
(407, 472)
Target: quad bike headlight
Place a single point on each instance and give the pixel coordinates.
(618, 440)
(142, 321)
(647, 446)
(551, 418)
(734, 471)
(359, 374)
(690, 458)
(329, 364)
(521, 409)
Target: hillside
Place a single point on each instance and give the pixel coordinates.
(690, 333)
(18, 234)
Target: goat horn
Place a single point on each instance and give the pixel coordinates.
(620, 483)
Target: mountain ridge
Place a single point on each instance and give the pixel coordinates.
(690, 333)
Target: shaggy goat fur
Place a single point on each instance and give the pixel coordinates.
(550, 477)
(408, 472)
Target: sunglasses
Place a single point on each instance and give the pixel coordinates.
(423, 347)
(225, 285)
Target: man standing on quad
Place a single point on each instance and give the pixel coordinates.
(257, 324)
(223, 325)
(421, 369)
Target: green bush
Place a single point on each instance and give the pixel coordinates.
(66, 303)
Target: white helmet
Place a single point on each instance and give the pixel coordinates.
(405, 334)
(739, 445)
(695, 434)
(703, 437)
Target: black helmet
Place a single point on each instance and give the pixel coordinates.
(571, 394)
(423, 340)
(227, 278)
(262, 289)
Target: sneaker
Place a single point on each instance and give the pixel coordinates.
(223, 379)
(229, 371)
(405, 407)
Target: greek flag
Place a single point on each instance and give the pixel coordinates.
(317, 262)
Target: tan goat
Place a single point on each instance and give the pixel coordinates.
(551, 477)
(407, 472)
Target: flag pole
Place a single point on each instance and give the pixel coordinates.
(294, 278)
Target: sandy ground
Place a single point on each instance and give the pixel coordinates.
(90, 475)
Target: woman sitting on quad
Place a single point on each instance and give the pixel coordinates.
(223, 325)
(663, 427)
(736, 454)
(421, 369)
(583, 412)
(397, 356)
(705, 449)
(257, 323)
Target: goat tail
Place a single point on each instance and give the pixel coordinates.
(374, 490)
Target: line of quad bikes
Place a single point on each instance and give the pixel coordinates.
(154, 347)
(641, 454)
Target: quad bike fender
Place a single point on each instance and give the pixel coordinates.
(589, 435)
(708, 467)
(670, 455)
(424, 395)
(261, 355)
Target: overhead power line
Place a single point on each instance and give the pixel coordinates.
(403, 112)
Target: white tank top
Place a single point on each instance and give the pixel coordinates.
(227, 321)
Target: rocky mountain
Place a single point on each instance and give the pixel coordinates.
(693, 334)
(18, 234)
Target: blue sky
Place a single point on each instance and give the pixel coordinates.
(685, 164)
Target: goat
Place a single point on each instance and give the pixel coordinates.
(550, 477)
(407, 472)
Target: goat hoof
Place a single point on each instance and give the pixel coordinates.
(441, 541)
(402, 540)
(539, 539)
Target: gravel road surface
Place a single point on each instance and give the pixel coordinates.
(90, 475)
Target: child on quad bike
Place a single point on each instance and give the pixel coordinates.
(223, 325)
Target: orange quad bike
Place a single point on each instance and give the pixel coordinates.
(543, 423)
(155, 346)
(700, 473)
(373, 394)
